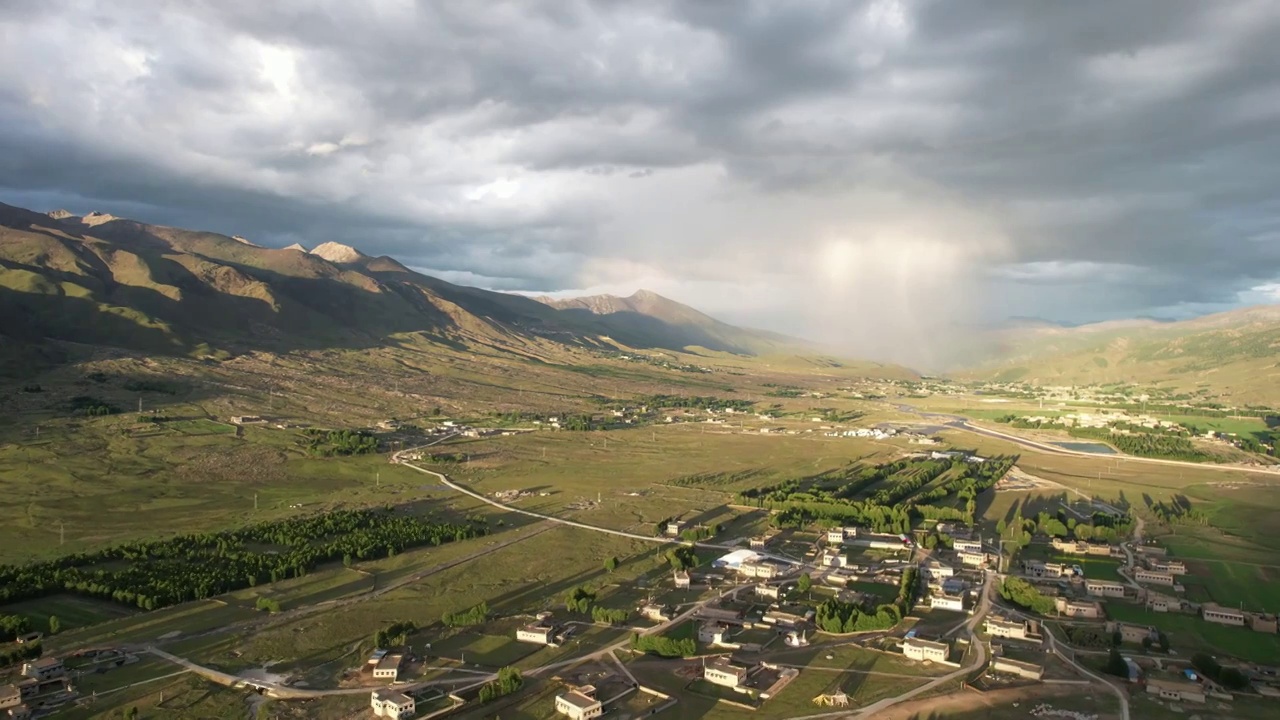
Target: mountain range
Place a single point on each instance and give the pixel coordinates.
(102, 280)
(1235, 353)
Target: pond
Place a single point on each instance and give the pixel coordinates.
(1087, 447)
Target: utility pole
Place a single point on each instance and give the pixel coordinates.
(255, 501)
(62, 533)
(377, 479)
(139, 404)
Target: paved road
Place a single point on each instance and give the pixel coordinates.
(960, 422)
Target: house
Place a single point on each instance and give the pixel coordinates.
(388, 667)
(675, 527)
(1039, 569)
(1104, 588)
(771, 592)
(1214, 613)
(19, 712)
(1132, 633)
(1081, 547)
(758, 542)
(997, 626)
(46, 668)
(386, 703)
(1262, 622)
(923, 650)
(787, 616)
(1078, 608)
(832, 558)
(10, 696)
(762, 570)
(835, 536)
(1176, 690)
(968, 546)
(656, 613)
(796, 639)
(1153, 577)
(1162, 603)
(1172, 567)
(1021, 669)
(247, 420)
(934, 569)
(537, 634)
(723, 671)
(580, 704)
(953, 586)
(947, 602)
(28, 638)
(972, 559)
(681, 578)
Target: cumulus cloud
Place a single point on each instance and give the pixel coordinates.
(877, 175)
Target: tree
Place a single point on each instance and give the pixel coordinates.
(1116, 664)
(610, 564)
(54, 624)
(132, 714)
(804, 583)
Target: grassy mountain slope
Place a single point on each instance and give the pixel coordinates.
(105, 281)
(1233, 355)
(658, 319)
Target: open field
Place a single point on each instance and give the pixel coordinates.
(72, 611)
(1189, 634)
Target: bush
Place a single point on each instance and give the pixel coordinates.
(509, 680)
(473, 616)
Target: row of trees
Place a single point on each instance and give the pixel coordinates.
(682, 558)
(891, 509)
(698, 402)
(1171, 447)
(1230, 678)
(18, 653)
(471, 616)
(159, 573)
(663, 646)
(328, 443)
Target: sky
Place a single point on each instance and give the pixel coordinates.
(881, 176)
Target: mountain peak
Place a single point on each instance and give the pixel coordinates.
(59, 214)
(295, 246)
(96, 218)
(337, 253)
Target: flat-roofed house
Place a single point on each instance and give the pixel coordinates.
(1078, 608)
(997, 626)
(387, 703)
(946, 602)
(1153, 577)
(1021, 669)
(537, 634)
(1176, 690)
(388, 667)
(1214, 613)
(1104, 588)
(922, 650)
(681, 579)
(46, 668)
(580, 704)
(723, 671)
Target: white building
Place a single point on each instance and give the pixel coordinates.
(580, 704)
(725, 672)
(388, 667)
(967, 546)
(537, 634)
(947, 602)
(835, 559)
(922, 650)
(386, 703)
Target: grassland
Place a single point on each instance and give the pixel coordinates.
(1189, 634)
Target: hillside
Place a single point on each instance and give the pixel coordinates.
(106, 281)
(655, 319)
(1234, 355)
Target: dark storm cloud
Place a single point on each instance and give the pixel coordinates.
(1125, 154)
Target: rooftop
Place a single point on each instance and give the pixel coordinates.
(391, 696)
(579, 700)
